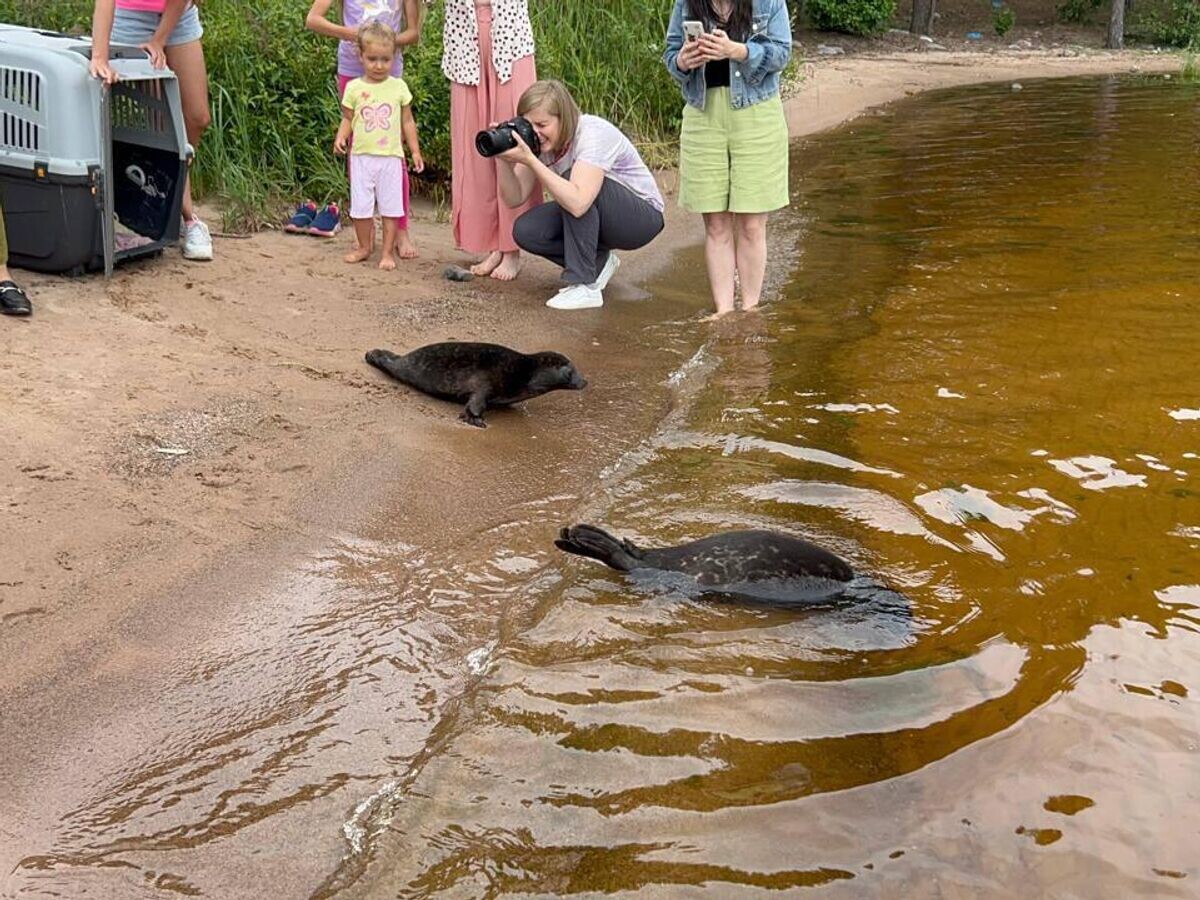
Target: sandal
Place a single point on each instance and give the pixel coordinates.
(13, 301)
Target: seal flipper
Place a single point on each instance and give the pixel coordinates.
(596, 543)
(473, 414)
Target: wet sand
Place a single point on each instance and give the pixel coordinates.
(127, 571)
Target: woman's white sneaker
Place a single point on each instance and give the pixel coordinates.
(577, 296)
(197, 242)
(610, 269)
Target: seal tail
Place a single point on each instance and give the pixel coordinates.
(596, 543)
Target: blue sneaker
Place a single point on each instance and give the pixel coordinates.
(302, 218)
(327, 222)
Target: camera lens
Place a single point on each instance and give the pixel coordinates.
(495, 140)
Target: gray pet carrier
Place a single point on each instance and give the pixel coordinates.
(91, 175)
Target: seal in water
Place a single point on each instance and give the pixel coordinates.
(762, 565)
(482, 375)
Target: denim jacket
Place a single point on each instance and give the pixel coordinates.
(751, 81)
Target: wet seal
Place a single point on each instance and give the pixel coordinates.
(758, 565)
(481, 375)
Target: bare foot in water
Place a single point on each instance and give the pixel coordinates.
(487, 266)
(717, 316)
(388, 262)
(509, 267)
(358, 254)
(405, 248)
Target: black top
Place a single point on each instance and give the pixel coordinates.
(716, 73)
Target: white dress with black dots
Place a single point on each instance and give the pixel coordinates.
(512, 38)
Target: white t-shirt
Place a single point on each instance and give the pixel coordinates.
(601, 143)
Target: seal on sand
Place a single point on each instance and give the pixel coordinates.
(764, 565)
(481, 375)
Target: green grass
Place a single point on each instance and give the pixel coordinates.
(275, 111)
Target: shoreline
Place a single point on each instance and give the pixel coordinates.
(126, 561)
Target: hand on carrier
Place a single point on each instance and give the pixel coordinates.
(102, 70)
(157, 53)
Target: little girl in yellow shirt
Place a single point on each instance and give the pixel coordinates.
(377, 111)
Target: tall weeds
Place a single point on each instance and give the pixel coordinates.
(275, 109)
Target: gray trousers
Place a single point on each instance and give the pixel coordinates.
(618, 219)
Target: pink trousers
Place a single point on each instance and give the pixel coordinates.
(482, 220)
(401, 221)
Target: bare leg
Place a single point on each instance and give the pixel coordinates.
(488, 264)
(751, 229)
(720, 258)
(187, 62)
(405, 248)
(387, 261)
(364, 233)
(509, 267)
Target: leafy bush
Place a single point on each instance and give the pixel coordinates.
(1003, 20)
(1175, 22)
(1077, 12)
(851, 16)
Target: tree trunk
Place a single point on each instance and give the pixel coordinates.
(1116, 26)
(922, 16)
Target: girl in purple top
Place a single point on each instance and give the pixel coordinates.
(404, 18)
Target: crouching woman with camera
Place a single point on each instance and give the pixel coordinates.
(604, 197)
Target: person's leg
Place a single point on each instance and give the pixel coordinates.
(472, 178)
(506, 96)
(540, 232)
(627, 220)
(363, 187)
(405, 248)
(389, 193)
(364, 234)
(750, 235)
(13, 301)
(387, 262)
(720, 259)
(187, 62)
(342, 81)
(758, 154)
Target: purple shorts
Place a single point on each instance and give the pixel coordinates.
(376, 179)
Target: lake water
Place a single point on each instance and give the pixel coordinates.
(976, 382)
(979, 385)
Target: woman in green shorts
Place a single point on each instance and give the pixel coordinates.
(733, 165)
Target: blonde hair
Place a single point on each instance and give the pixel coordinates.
(375, 32)
(555, 99)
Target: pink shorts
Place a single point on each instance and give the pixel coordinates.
(376, 179)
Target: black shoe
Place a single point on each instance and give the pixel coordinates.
(13, 301)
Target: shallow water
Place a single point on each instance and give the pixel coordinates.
(978, 386)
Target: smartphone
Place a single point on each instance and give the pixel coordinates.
(692, 29)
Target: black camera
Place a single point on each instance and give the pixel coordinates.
(498, 139)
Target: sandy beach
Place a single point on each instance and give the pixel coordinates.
(177, 437)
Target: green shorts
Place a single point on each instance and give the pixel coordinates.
(733, 160)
